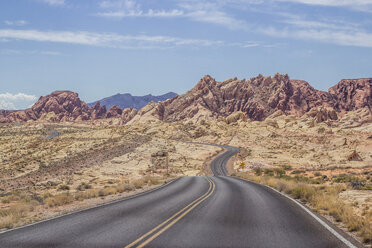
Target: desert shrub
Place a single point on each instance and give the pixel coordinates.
(64, 187)
(7, 222)
(46, 195)
(286, 167)
(42, 166)
(83, 186)
(138, 184)
(367, 187)
(107, 191)
(303, 192)
(342, 178)
(5, 200)
(59, 200)
(357, 183)
(279, 172)
(297, 172)
(366, 232)
(317, 174)
(152, 180)
(90, 193)
(258, 171)
(300, 178)
(269, 172)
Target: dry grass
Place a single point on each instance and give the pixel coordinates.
(20, 206)
(15, 214)
(322, 199)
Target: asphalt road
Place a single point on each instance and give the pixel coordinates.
(217, 211)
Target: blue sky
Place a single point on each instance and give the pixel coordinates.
(102, 47)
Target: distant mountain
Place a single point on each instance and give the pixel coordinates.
(128, 101)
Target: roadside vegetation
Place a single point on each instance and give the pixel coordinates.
(322, 195)
(25, 207)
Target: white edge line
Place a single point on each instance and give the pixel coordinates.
(330, 229)
(89, 208)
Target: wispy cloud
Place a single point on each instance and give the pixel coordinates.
(29, 52)
(150, 13)
(16, 101)
(331, 36)
(16, 23)
(212, 13)
(207, 12)
(300, 23)
(111, 39)
(357, 5)
(332, 2)
(53, 2)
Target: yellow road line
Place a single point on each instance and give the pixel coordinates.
(211, 185)
(176, 220)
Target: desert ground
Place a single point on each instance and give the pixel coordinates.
(49, 169)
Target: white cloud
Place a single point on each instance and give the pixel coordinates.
(331, 36)
(351, 3)
(207, 12)
(16, 23)
(107, 40)
(7, 105)
(53, 2)
(28, 52)
(129, 8)
(128, 4)
(356, 5)
(150, 13)
(10, 101)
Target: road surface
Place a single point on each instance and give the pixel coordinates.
(216, 211)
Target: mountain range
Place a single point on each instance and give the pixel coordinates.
(254, 99)
(129, 101)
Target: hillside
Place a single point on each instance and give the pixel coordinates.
(258, 98)
(254, 99)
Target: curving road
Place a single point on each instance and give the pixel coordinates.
(217, 211)
(218, 165)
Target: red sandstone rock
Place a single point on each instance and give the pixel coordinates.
(114, 112)
(66, 105)
(128, 114)
(256, 98)
(352, 94)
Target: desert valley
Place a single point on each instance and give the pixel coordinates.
(61, 155)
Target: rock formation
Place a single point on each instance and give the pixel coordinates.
(254, 99)
(352, 94)
(59, 106)
(114, 112)
(262, 96)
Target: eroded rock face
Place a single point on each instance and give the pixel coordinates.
(66, 106)
(322, 114)
(114, 112)
(352, 94)
(257, 98)
(262, 96)
(58, 106)
(128, 114)
(97, 111)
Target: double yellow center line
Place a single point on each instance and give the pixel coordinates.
(158, 230)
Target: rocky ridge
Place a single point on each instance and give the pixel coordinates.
(254, 99)
(260, 97)
(59, 106)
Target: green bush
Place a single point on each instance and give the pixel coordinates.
(258, 171)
